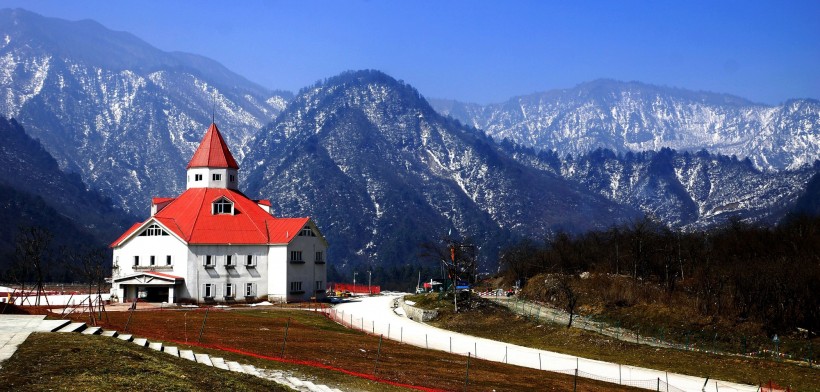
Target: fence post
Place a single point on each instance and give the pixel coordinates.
(285, 339)
(659, 384)
(378, 354)
(539, 361)
(475, 349)
(388, 330)
(202, 328)
(373, 326)
(620, 379)
(130, 313)
(575, 381)
(505, 355)
(451, 344)
(427, 345)
(401, 334)
(467, 377)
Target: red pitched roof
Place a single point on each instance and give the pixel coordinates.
(189, 217)
(164, 275)
(128, 232)
(213, 152)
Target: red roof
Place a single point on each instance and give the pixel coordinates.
(213, 152)
(160, 200)
(264, 202)
(128, 232)
(190, 217)
(163, 275)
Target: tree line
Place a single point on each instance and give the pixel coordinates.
(738, 271)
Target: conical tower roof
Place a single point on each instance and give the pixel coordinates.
(213, 152)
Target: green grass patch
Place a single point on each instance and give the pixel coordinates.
(70, 362)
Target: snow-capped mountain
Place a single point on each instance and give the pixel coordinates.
(638, 117)
(381, 171)
(684, 190)
(121, 113)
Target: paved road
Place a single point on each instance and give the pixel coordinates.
(376, 315)
(14, 329)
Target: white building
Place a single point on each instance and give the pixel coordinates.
(213, 244)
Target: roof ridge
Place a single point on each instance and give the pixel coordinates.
(248, 215)
(213, 151)
(198, 211)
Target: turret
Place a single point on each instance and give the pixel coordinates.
(212, 165)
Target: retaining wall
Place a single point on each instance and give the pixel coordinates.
(417, 314)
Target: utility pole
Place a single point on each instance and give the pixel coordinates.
(369, 290)
(354, 281)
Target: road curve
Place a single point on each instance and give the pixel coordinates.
(376, 315)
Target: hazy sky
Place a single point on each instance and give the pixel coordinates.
(487, 51)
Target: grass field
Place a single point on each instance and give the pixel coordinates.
(493, 321)
(76, 362)
(318, 348)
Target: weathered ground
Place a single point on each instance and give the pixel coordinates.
(316, 343)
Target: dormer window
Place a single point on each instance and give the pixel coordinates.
(153, 230)
(197, 177)
(222, 206)
(217, 177)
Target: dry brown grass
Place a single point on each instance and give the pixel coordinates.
(314, 340)
(494, 321)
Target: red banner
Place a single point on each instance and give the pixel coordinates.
(341, 288)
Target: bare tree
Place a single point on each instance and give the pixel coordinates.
(32, 251)
(89, 264)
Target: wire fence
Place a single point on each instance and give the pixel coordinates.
(410, 332)
(699, 341)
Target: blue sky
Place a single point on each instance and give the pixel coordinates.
(487, 51)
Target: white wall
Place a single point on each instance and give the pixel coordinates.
(207, 178)
(145, 247)
(309, 271)
(277, 273)
(220, 274)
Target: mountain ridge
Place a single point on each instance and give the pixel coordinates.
(635, 116)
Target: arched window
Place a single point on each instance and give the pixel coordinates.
(153, 230)
(222, 206)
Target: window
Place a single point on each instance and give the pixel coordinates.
(217, 177)
(168, 260)
(296, 256)
(153, 230)
(320, 258)
(197, 177)
(233, 178)
(153, 260)
(296, 287)
(319, 286)
(222, 206)
(230, 290)
(210, 261)
(208, 290)
(250, 289)
(136, 261)
(249, 261)
(230, 261)
(307, 232)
